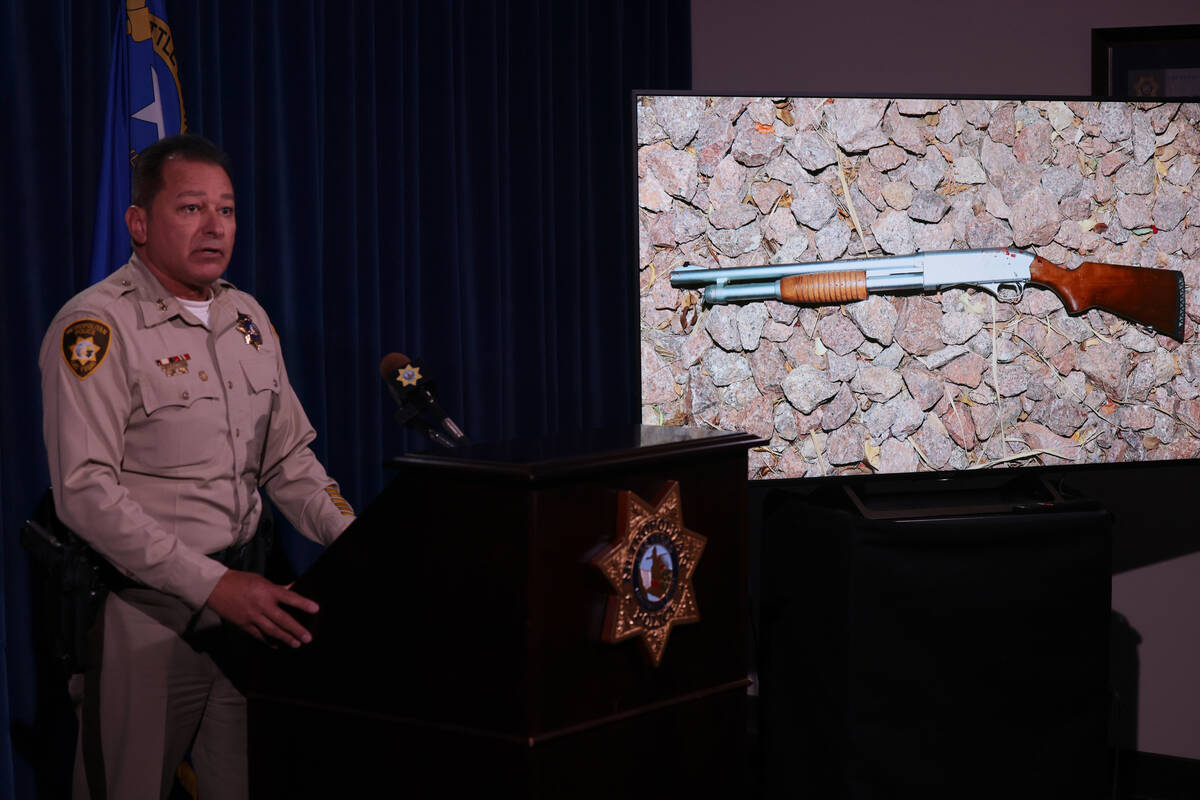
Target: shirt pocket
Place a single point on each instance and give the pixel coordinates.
(262, 383)
(262, 375)
(182, 425)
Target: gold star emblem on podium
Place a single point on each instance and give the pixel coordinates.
(650, 566)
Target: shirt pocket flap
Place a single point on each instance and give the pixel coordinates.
(173, 392)
(261, 375)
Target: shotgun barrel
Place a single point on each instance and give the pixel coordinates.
(992, 269)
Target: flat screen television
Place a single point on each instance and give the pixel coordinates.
(911, 380)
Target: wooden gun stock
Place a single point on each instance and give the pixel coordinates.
(1153, 297)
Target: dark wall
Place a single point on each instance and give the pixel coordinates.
(449, 179)
(955, 47)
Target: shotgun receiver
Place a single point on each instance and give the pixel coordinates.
(1151, 297)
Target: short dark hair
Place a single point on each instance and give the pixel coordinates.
(148, 166)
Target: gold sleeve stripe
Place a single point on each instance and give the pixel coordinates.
(338, 501)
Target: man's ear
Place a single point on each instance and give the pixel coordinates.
(135, 220)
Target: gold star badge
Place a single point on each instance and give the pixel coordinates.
(650, 566)
(249, 331)
(409, 376)
(84, 346)
(84, 350)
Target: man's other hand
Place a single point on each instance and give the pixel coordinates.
(255, 605)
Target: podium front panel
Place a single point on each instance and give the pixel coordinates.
(464, 603)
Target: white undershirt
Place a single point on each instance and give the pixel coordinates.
(197, 307)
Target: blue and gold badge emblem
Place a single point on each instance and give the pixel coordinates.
(249, 331)
(650, 566)
(409, 375)
(84, 346)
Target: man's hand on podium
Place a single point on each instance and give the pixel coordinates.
(255, 605)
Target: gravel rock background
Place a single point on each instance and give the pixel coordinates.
(953, 380)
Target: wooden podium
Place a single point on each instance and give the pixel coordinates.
(459, 647)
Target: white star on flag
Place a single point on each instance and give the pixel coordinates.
(153, 113)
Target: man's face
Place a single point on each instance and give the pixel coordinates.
(186, 236)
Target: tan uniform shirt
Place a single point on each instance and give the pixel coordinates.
(160, 430)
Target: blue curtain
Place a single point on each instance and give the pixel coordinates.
(449, 179)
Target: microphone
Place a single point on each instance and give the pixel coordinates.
(415, 395)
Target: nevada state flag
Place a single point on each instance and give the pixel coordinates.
(145, 103)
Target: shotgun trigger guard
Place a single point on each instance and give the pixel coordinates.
(1006, 292)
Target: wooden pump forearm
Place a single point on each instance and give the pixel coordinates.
(1154, 297)
(824, 287)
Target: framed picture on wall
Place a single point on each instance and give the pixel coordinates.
(1159, 61)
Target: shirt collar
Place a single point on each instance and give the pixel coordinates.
(156, 303)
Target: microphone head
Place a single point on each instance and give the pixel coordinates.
(402, 373)
(392, 363)
(414, 395)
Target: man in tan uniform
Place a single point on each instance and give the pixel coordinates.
(166, 407)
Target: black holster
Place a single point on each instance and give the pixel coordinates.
(71, 580)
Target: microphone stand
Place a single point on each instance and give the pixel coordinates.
(408, 417)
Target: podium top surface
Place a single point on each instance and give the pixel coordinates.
(571, 453)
